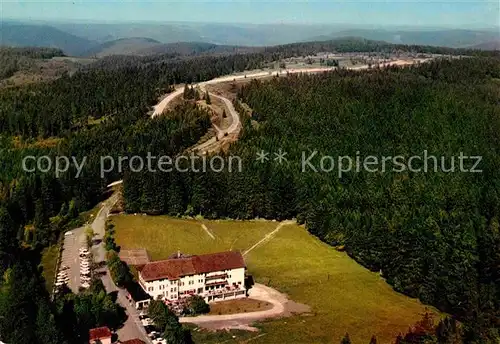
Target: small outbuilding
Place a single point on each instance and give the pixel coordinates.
(100, 334)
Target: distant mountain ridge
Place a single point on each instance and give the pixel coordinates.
(123, 46)
(144, 39)
(22, 35)
(443, 38)
(491, 45)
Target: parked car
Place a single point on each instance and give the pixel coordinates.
(149, 329)
(146, 322)
(153, 335)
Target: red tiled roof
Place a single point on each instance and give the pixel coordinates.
(176, 268)
(133, 341)
(99, 333)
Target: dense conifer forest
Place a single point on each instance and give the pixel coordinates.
(434, 236)
(14, 59)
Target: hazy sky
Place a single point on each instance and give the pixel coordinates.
(460, 14)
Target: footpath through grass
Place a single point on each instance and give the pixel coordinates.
(163, 235)
(344, 296)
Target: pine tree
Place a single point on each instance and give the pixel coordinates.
(207, 98)
(373, 340)
(42, 225)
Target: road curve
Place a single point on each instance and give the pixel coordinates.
(259, 292)
(235, 118)
(160, 107)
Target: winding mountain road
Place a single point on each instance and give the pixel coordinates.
(133, 328)
(235, 125)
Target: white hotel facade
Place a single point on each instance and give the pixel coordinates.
(215, 277)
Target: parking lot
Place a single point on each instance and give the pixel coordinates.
(71, 256)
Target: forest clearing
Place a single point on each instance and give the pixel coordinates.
(344, 296)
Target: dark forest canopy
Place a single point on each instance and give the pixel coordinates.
(433, 235)
(445, 106)
(355, 44)
(258, 56)
(13, 59)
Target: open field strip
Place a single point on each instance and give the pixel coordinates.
(344, 296)
(163, 235)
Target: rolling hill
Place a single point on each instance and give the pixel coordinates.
(25, 35)
(95, 39)
(490, 45)
(443, 38)
(124, 46)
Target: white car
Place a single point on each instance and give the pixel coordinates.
(146, 322)
(153, 335)
(68, 233)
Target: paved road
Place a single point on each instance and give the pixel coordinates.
(71, 256)
(98, 226)
(132, 328)
(160, 107)
(235, 118)
(244, 320)
(235, 123)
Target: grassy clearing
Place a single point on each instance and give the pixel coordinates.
(48, 263)
(238, 306)
(163, 235)
(344, 296)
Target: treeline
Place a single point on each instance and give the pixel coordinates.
(433, 235)
(258, 57)
(39, 206)
(26, 313)
(354, 44)
(49, 201)
(103, 111)
(68, 104)
(12, 59)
